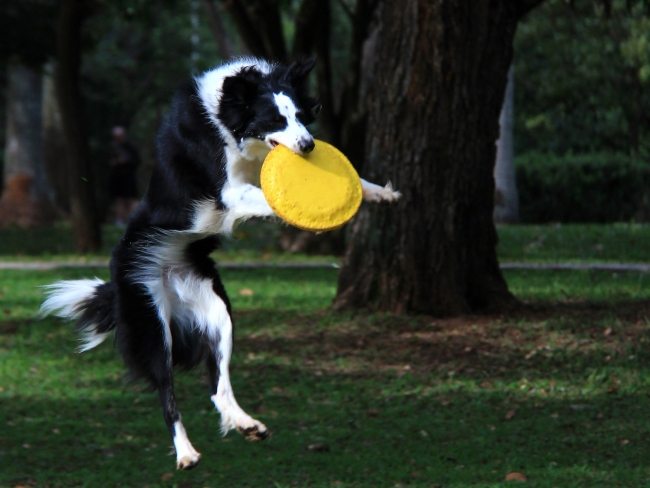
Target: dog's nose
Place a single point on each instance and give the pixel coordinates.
(306, 145)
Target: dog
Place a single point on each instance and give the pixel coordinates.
(165, 301)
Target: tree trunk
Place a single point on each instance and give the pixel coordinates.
(25, 197)
(85, 223)
(438, 80)
(222, 41)
(506, 197)
(55, 154)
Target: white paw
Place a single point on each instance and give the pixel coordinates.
(377, 194)
(253, 430)
(186, 456)
(188, 460)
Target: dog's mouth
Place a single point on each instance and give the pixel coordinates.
(273, 142)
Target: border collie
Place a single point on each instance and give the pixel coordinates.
(165, 302)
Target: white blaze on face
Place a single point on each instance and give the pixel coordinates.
(295, 136)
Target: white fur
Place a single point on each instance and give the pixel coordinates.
(206, 219)
(241, 194)
(64, 299)
(295, 133)
(376, 193)
(186, 455)
(90, 339)
(232, 415)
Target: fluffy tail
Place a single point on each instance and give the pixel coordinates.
(89, 302)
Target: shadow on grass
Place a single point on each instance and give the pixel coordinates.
(360, 400)
(562, 341)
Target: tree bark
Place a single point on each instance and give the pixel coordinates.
(85, 223)
(55, 154)
(438, 74)
(260, 26)
(25, 195)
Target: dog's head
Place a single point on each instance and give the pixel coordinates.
(271, 107)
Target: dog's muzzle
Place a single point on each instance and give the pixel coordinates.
(306, 145)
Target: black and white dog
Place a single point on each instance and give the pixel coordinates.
(165, 300)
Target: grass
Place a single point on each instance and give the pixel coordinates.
(621, 242)
(252, 241)
(558, 391)
(257, 242)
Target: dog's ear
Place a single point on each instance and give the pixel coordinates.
(242, 87)
(298, 70)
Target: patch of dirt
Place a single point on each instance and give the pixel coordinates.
(530, 339)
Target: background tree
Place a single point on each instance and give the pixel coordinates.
(582, 130)
(506, 197)
(439, 71)
(85, 222)
(583, 78)
(25, 197)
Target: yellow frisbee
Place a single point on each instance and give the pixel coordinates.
(317, 192)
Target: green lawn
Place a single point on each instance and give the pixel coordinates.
(557, 391)
(575, 242)
(257, 242)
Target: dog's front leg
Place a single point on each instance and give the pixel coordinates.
(246, 200)
(376, 193)
(242, 202)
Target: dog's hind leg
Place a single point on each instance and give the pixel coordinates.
(186, 456)
(157, 365)
(222, 396)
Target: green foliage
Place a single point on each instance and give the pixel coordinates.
(582, 188)
(583, 78)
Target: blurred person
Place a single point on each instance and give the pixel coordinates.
(123, 188)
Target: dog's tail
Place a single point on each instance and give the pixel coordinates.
(90, 302)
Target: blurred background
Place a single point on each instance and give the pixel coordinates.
(575, 126)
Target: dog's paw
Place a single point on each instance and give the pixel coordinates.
(255, 432)
(188, 461)
(376, 194)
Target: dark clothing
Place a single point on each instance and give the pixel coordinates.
(122, 176)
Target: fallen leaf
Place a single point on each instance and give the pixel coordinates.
(166, 476)
(516, 476)
(608, 332)
(531, 354)
(318, 447)
(510, 414)
(246, 292)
